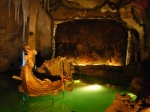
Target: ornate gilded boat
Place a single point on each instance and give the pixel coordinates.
(34, 86)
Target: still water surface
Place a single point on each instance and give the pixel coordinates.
(84, 98)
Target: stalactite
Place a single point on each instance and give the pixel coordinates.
(48, 5)
(16, 8)
(128, 53)
(53, 47)
(17, 4)
(9, 6)
(25, 15)
(45, 2)
(18, 11)
(24, 26)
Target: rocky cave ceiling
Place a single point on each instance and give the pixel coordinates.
(90, 4)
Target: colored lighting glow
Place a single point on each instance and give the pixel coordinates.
(23, 61)
(85, 62)
(81, 64)
(87, 87)
(133, 97)
(77, 81)
(79, 100)
(92, 87)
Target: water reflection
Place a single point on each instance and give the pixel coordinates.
(81, 99)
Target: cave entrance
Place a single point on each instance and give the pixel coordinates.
(92, 42)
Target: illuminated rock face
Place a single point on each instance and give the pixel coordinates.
(92, 42)
(124, 103)
(90, 3)
(131, 19)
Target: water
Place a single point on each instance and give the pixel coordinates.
(84, 98)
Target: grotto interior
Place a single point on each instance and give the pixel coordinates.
(106, 41)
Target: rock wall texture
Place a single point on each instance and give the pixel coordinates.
(47, 18)
(11, 36)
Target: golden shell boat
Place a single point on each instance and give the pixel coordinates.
(34, 86)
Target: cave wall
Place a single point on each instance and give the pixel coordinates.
(94, 41)
(10, 37)
(131, 14)
(43, 36)
(60, 11)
